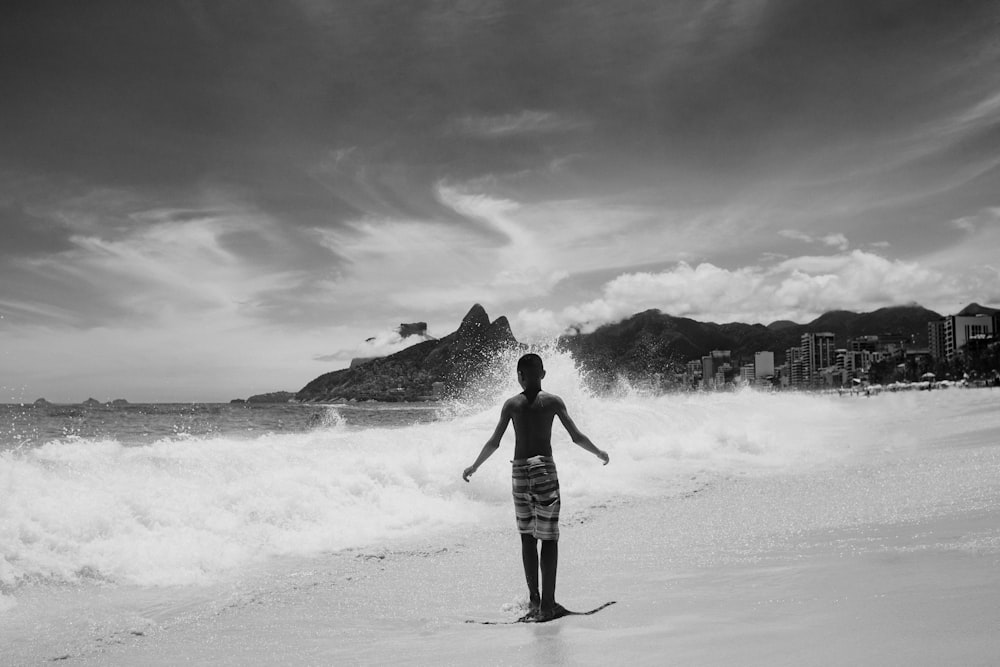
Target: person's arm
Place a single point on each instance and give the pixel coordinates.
(576, 435)
(492, 444)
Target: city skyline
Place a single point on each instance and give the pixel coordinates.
(955, 345)
(204, 201)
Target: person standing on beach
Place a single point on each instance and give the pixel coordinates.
(535, 484)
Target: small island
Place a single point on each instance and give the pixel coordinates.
(270, 397)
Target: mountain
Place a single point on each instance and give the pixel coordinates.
(653, 341)
(411, 374)
(643, 343)
(648, 342)
(976, 309)
(906, 320)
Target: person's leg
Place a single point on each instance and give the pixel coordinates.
(550, 562)
(525, 515)
(529, 556)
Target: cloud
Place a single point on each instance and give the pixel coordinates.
(405, 161)
(597, 233)
(23, 310)
(495, 211)
(511, 124)
(401, 262)
(167, 265)
(965, 224)
(970, 259)
(26, 233)
(796, 235)
(972, 223)
(952, 129)
(798, 289)
(381, 344)
(838, 241)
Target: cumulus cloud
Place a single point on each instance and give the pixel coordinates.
(798, 289)
(838, 241)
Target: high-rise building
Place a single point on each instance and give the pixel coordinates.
(796, 367)
(818, 352)
(852, 360)
(715, 365)
(960, 329)
(763, 364)
(935, 339)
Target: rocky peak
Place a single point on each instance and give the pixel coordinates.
(450, 363)
(475, 322)
(499, 331)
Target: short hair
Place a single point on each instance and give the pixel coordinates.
(530, 364)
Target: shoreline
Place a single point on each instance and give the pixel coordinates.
(937, 385)
(752, 570)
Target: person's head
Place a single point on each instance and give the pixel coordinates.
(530, 370)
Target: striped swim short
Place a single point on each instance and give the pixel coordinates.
(536, 497)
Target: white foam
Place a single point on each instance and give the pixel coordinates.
(185, 511)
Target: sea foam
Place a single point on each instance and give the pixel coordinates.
(187, 510)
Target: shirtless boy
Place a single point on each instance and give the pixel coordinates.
(536, 486)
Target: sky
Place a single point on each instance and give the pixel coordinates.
(204, 200)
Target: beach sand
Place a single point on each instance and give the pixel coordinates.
(889, 558)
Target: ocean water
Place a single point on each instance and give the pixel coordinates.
(184, 501)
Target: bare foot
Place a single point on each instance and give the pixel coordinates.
(533, 606)
(544, 615)
(557, 611)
